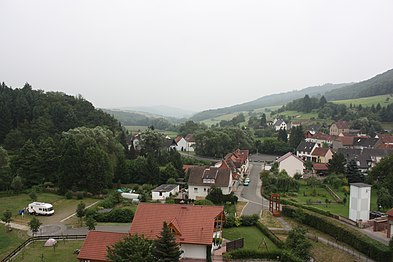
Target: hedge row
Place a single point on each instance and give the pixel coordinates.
(281, 255)
(254, 254)
(269, 234)
(341, 232)
(308, 207)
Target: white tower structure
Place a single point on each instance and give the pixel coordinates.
(359, 202)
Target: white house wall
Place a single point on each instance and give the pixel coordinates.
(194, 251)
(202, 191)
(291, 165)
(359, 205)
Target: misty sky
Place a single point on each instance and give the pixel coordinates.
(191, 54)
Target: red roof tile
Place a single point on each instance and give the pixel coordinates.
(320, 167)
(346, 140)
(96, 243)
(320, 151)
(194, 223)
(390, 212)
(386, 138)
(342, 124)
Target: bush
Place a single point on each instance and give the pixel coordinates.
(80, 195)
(269, 234)
(232, 221)
(287, 256)
(254, 254)
(249, 220)
(341, 232)
(69, 194)
(118, 215)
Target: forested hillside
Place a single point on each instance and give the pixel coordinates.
(33, 114)
(138, 119)
(266, 101)
(381, 84)
(54, 139)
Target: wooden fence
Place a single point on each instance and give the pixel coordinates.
(235, 244)
(10, 256)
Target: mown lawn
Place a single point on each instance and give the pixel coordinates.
(14, 203)
(63, 207)
(9, 240)
(64, 251)
(253, 238)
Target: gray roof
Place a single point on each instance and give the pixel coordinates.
(279, 122)
(365, 142)
(165, 188)
(360, 185)
(197, 174)
(305, 146)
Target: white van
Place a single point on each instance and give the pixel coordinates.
(39, 208)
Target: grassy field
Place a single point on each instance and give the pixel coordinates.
(63, 207)
(322, 194)
(387, 125)
(64, 251)
(299, 116)
(252, 237)
(367, 101)
(9, 240)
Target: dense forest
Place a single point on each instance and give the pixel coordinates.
(381, 84)
(63, 143)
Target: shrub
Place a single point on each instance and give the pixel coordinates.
(69, 194)
(119, 215)
(79, 195)
(254, 254)
(341, 232)
(269, 234)
(249, 220)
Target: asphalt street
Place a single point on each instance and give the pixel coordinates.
(251, 193)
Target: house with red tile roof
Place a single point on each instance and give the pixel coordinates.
(95, 246)
(291, 163)
(339, 127)
(321, 155)
(194, 226)
(201, 179)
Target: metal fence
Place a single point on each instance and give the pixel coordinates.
(9, 257)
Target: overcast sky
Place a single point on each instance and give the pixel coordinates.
(191, 54)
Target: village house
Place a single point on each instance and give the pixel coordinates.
(364, 142)
(321, 155)
(320, 139)
(94, 248)
(195, 227)
(320, 169)
(385, 141)
(339, 127)
(291, 164)
(280, 124)
(304, 150)
(164, 191)
(190, 142)
(365, 158)
(201, 179)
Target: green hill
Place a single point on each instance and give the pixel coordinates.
(266, 101)
(381, 84)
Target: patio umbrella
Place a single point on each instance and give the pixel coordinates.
(50, 242)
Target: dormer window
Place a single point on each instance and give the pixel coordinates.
(209, 181)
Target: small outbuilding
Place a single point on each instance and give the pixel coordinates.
(359, 201)
(164, 191)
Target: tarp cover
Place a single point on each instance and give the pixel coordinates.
(50, 242)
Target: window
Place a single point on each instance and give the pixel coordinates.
(204, 189)
(160, 193)
(195, 189)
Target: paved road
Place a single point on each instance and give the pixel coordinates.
(252, 193)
